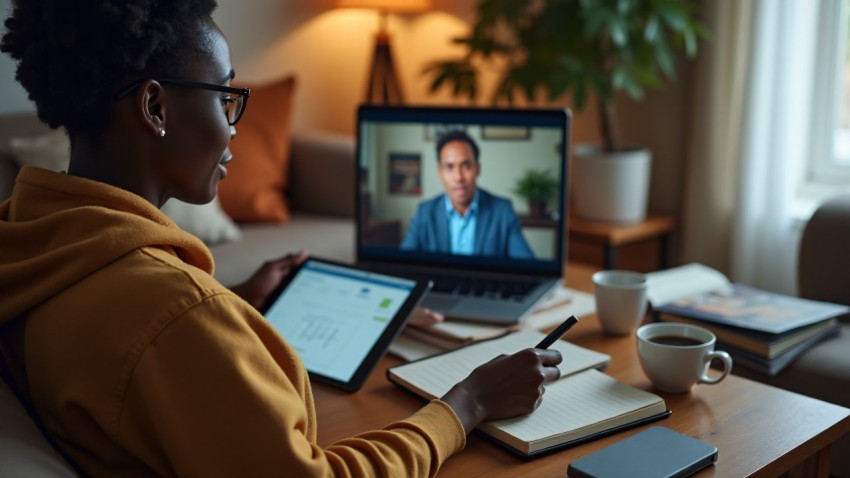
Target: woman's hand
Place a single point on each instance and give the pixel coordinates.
(507, 386)
(257, 288)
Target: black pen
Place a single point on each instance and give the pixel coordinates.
(557, 333)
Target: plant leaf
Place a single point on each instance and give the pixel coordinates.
(690, 43)
(675, 16)
(619, 34)
(651, 30)
(665, 59)
(579, 47)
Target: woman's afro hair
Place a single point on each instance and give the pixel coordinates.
(72, 54)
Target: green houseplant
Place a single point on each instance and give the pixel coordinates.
(537, 187)
(589, 49)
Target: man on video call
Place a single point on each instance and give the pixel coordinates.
(465, 219)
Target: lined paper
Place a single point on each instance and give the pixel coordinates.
(434, 376)
(574, 407)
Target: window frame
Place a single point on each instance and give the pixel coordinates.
(828, 94)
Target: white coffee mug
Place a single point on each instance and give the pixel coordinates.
(620, 300)
(676, 357)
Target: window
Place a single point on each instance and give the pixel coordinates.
(829, 162)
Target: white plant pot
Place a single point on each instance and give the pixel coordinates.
(611, 187)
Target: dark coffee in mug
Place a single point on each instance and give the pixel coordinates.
(675, 340)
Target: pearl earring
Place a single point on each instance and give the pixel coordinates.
(162, 131)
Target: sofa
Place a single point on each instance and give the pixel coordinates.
(321, 200)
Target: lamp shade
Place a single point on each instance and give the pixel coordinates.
(387, 5)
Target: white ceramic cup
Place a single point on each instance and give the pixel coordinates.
(620, 300)
(678, 367)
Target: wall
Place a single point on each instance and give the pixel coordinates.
(14, 97)
(329, 50)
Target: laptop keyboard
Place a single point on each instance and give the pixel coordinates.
(490, 288)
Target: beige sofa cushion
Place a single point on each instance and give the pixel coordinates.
(23, 449)
(322, 236)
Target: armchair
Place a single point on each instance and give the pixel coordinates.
(823, 270)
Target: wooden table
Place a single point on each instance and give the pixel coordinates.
(759, 430)
(612, 236)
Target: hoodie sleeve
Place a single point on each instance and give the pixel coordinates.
(217, 393)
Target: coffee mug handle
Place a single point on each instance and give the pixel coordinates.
(727, 366)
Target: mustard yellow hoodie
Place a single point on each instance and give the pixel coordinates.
(140, 363)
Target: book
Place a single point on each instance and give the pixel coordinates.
(772, 366)
(581, 405)
(762, 344)
(699, 292)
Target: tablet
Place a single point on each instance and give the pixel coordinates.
(341, 318)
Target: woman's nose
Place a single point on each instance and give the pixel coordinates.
(232, 132)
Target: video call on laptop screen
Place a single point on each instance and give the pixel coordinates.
(463, 203)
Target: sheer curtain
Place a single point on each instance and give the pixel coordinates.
(748, 135)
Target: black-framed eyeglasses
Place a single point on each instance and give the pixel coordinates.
(234, 106)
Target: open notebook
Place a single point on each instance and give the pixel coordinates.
(582, 405)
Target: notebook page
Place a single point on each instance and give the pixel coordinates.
(436, 375)
(572, 406)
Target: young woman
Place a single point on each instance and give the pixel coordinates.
(136, 361)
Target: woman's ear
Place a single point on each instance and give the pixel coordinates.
(150, 101)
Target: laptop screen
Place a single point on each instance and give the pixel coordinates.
(463, 187)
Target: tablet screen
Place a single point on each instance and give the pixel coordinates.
(340, 319)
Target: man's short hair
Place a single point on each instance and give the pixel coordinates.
(456, 135)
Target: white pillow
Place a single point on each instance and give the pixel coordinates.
(49, 151)
(208, 222)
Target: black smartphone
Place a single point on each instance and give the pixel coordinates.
(656, 452)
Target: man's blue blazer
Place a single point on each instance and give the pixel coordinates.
(497, 229)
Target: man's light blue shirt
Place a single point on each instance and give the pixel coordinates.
(462, 228)
(496, 231)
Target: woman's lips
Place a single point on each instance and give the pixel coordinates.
(221, 166)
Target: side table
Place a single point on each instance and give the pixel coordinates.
(612, 236)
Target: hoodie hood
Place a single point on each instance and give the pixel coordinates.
(57, 229)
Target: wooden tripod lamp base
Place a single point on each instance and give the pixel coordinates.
(383, 86)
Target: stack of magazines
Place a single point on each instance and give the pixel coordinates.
(761, 330)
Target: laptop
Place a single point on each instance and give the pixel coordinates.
(456, 218)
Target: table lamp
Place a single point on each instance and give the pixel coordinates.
(383, 86)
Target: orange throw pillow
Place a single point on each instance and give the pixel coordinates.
(255, 187)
